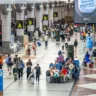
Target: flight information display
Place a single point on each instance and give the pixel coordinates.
(85, 11)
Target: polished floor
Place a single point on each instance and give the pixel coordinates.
(44, 58)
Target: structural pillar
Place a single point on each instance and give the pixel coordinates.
(6, 31)
(20, 26)
(31, 22)
(39, 14)
(55, 14)
(50, 16)
(59, 13)
(45, 21)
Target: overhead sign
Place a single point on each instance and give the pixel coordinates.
(55, 14)
(45, 17)
(30, 21)
(19, 24)
(1, 82)
(85, 10)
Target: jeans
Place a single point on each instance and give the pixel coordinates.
(37, 76)
(20, 73)
(28, 71)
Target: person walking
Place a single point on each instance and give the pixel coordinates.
(1, 62)
(38, 72)
(15, 59)
(7, 61)
(20, 66)
(10, 64)
(75, 46)
(34, 48)
(29, 65)
(46, 41)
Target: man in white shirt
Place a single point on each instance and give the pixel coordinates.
(46, 40)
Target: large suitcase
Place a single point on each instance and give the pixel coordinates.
(48, 73)
(52, 79)
(32, 80)
(76, 75)
(48, 79)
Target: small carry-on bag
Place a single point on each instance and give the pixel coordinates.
(39, 43)
(91, 65)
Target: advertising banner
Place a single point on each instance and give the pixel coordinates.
(85, 11)
(1, 82)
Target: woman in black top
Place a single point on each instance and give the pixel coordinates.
(75, 46)
(29, 65)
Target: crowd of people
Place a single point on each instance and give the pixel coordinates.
(63, 69)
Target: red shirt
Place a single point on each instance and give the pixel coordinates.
(64, 71)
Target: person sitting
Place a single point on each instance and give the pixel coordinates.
(60, 58)
(76, 62)
(51, 65)
(64, 73)
(87, 58)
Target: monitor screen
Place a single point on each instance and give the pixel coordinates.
(85, 11)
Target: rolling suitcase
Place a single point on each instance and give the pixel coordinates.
(48, 73)
(52, 79)
(48, 79)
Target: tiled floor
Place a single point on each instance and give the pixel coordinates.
(44, 57)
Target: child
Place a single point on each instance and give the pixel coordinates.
(15, 72)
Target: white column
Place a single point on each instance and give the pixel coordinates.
(20, 32)
(39, 14)
(45, 23)
(55, 10)
(59, 13)
(6, 31)
(30, 27)
(50, 16)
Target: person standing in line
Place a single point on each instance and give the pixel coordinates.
(1, 62)
(20, 66)
(29, 65)
(75, 46)
(34, 48)
(38, 72)
(46, 41)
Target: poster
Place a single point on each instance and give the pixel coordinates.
(1, 82)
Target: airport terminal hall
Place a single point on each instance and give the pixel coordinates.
(47, 47)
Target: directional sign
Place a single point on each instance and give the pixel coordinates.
(30, 21)
(19, 24)
(55, 14)
(45, 17)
